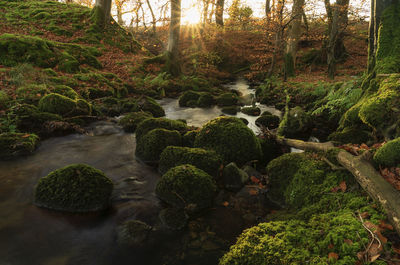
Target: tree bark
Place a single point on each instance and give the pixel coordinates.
(293, 37)
(219, 13)
(173, 40)
(102, 12)
(365, 174)
(152, 16)
(118, 5)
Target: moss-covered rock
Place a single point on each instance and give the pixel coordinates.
(252, 111)
(227, 99)
(150, 105)
(16, 144)
(270, 150)
(66, 91)
(188, 96)
(298, 242)
(74, 188)
(206, 100)
(82, 108)
(130, 121)
(133, 233)
(389, 154)
(230, 138)
(234, 178)
(174, 218)
(206, 160)
(295, 124)
(231, 110)
(4, 99)
(186, 185)
(154, 123)
(57, 104)
(354, 135)
(268, 121)
(189, 138)
(150, 146)
(31, 94)
(95, 93)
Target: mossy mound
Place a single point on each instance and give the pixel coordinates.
(186, 185)
(74, 188)
(150, 146)
(31, 94)
(189, 138)
(16, 144)
(150, 105)
(64, 106)
(234, 178)
(231, 110)
(295, 124)
(66, 91)
(252, 111)
(299, 242)
(187, 97)
(15, 49)
(206, 160)
(270, 150)
(4, 99)
(95, 93)
(206, 100)
(354, 135)
(268, 121)
(231, 139)
(133, 233)
(173, 218)
(131, 120)
(227, 99)
(389, 154)
(154, 123)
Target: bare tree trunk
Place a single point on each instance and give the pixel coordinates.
(152, 16)
(206, 5)
(212, 11)
(280, 28)
(101, 13)
(293, 37)
(143, 17)
(305, 20)
(173, 40)
(219, 12)
(267, 8)
(118, 4)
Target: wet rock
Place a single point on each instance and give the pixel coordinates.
(252, 111)
(16, 144)
(231, 110)
(133, 233)
(234, 178)
(173, 218)
(268, 121)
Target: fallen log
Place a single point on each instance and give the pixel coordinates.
(366, 175)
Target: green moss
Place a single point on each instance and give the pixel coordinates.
(230, 138)
(66, 91)
(252, 111)
(133, 233)
(297, 242)
(189, 138)
(354, 135)
(227, 99)
(206, 100)
(58, 104)
(95, 93)
(131, 120)
(234, 178)
(82, 108)
(173, 218)
(188, 96)
(231, 110)
(150, 105)
(75, 188)
(206, 160)
(31, 94)
(186, 185)
(268, 121)
(4, 99)
(270, 150)
(16, 144)
(389, 154)
(296, 124)
(150, 146)
(154, 123)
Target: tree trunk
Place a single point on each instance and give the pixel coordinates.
(365, 174)
(293, 37)
(173, 40)
(152, 16)
(219, 13)
(101, 13)
(206, 5)
(119, 13)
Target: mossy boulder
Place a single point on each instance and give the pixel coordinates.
(57, 104)
(133, 233)
(174, 218)
(231, 139)
(252, 111)
(231, 110)
(4, 99)
(150, 105)
(270, 150)
(130, 121)
(66, 91)
(186, 185)
(354, 135)
(299, 242)
(189, 138)
(389, 154)
(82, 108)
(227, 99)
(234, 178)
(268, 121)
(150, 146)
(206, 100)
(206, 160)
(188, 96)
(95, 93)
(295, 124)
(31, 94)
(16, 144)
(74, 188)
(154, 123)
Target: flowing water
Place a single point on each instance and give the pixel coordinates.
(31, 235)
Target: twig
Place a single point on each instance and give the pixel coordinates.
(333, 166)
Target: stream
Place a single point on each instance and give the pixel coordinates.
(31, 235)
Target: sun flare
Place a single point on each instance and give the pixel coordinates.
(191, 15)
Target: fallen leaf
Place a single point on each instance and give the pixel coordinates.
(384, 225)
(330, 246)
(348, 241)
(254, 180)
(375, 257)
(381, 237)
(226, 204)
(343, 186)
(364, 215)
(253, 192)
(333, 255)
(26, 135)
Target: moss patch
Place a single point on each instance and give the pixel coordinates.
(154, 123)
(389, 154)
(131, 120)
(75, 188)
(16, 144)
